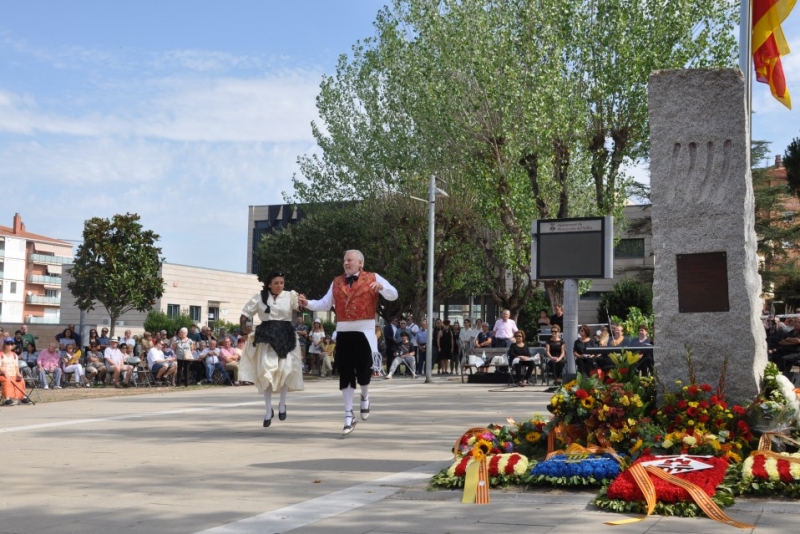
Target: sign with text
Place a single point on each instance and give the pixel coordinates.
(572, 248)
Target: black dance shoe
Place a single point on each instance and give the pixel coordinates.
(268, 422)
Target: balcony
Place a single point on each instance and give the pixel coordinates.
(48, 260)
(41, 299)
(41, 320)
(45, 280)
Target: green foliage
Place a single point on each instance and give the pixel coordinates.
(626, 294)
(118, 266)
(529, 109)
(773, 230)
(529, 315)
(157, 320)
(634, 319)
(791, 160)
(389, 232)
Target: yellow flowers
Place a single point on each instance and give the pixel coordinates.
(625, 401)
(484, 446)
(691, 441)
(533, 437)
(587, 403)
(637, 445)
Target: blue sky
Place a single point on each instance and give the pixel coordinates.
(187, 112)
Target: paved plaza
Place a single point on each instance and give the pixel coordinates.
(199, 461)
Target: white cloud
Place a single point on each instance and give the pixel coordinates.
(271, 109)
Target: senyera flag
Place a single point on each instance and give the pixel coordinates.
(769, 44)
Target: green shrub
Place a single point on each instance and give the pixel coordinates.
(528, 317)
(157, 320)
(627, 293)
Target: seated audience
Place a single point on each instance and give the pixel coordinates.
(328, 348)
(210, 357)
(159, 366)
(95, 364)
(115, 363)
(484, 339)
(230, 359)
(584, 363)
(71, 364)
(403, 353)
(520, 359)
(12, 385)
(49, 362)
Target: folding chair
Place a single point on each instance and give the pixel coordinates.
(221, 377)
(31, 381)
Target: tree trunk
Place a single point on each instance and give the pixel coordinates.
(113, 319)
(555, 292)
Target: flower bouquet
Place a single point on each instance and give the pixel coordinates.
(708, 473)
(776, 408)
(531, 437)
(771, 474)
(495, 443)
(575, 469)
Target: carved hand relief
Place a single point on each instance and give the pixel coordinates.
(701, 173)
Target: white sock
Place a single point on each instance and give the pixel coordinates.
(268, 401)
(282, 402)
(365, 392)
(347, 396)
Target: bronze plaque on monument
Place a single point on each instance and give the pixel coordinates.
(703, 282)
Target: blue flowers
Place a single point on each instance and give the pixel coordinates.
(597, 467)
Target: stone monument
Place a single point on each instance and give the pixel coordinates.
(706, 284)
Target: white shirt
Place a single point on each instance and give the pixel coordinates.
(365, 326)
(154, 355)
(210, 355)
(113, 356)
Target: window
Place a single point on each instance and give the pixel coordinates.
(173, 310)
(194, 312)
(51, 293)
(630, 248)
(2, 244)
(12, 287)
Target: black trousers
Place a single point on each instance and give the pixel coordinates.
(354, 359)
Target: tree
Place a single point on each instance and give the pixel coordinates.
(626, 294)
(777, 234)
(791, 160)
(310, 252)
(118, 266)
(536, 106)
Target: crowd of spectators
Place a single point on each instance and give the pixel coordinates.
(173, 358)
(783, 342)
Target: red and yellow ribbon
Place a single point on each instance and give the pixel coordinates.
(641, 476)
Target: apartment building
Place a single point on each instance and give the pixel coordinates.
(30, 275)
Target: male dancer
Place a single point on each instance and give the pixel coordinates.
(355, 296)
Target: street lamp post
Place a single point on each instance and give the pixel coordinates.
(433, 193)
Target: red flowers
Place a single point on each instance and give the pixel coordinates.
(692, 390)
(705, 387)
(738, 410)
(582, 394)
(624, 487)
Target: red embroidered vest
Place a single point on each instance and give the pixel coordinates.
(358, 302)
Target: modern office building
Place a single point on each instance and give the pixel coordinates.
(30, 275)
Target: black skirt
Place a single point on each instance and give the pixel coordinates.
(279, 335)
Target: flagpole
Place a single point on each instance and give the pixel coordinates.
(746, 55)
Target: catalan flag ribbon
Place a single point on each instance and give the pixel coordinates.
(769, 44)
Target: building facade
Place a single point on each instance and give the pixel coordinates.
(30, 275)
(207, 295)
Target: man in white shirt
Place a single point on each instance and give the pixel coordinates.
(115, 362)
(355, 295)
(159, 366)
(210, 357)
(504, 330)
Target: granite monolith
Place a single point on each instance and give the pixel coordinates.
(706, 283)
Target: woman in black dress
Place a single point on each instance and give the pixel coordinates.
(583, 362)
(519, 352)
(555, 354)
(445, 344)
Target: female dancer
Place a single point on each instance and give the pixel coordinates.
(11, 383)
(271, 358)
